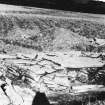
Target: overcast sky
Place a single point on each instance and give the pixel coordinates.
(101, 0)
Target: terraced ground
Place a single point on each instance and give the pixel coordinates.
(57, 52)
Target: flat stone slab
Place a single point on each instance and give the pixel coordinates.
(77, 62)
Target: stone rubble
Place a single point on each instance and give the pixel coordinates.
(45, 72)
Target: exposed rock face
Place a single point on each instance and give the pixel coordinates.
(24, 75)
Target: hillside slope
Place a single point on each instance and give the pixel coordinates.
(28, 28)
(40, 48)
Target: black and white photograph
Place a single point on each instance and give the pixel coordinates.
(52, 52)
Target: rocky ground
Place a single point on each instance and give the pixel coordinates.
(53, 73)
(55, 52)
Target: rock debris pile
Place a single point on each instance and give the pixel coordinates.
(22, 75)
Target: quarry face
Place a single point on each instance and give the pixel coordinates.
(56, 52)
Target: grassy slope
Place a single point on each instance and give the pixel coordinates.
(28, 28)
